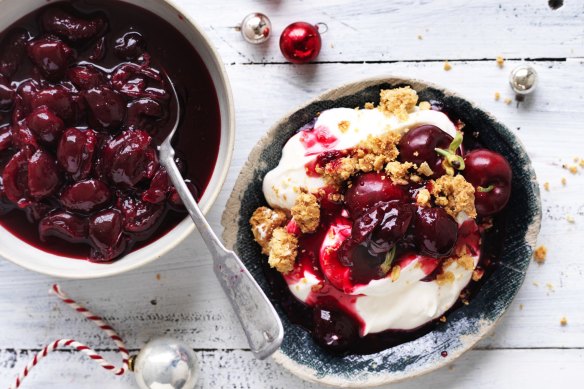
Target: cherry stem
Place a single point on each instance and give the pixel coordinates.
(389, 257)
(452, 160)
(485, 190)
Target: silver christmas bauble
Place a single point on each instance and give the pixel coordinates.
(166, 363)
(523, 79)
(256, 28)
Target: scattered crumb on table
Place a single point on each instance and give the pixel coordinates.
(447, 66)
(570, 219)
(521, 307)
(564, 321)
(500, 61)
(564, 181)
(158, 276)
(546, 186)
(508, 101)
(497, 96)
(540, 254)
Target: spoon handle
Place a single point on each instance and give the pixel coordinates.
(259, 319)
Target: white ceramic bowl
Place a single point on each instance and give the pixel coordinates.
(40, 261)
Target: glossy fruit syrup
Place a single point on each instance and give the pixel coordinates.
(84, 102)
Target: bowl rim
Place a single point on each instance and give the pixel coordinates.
(186, 226)
(231, 231)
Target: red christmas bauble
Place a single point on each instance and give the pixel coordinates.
(300, 42)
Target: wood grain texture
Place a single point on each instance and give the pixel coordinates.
(528, 348)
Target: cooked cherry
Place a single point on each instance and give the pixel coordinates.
(25, 94)
(127, 159)
(5, 204)
(47, 126)
(86, 77)
(57, 99)
(140, 218)
(35, 211)
(434, 232)
(334, 330)
(107, 106)
(418, 146)
(106, 235)
(85, 196)
(43, 176)
(490, 174)
(76, 151)
(12, 50)
(130, 46)
(370, 188)
(159, 188)
(133, 80)
(22, 136)
(142, 112)
(6, 94)
(57, 21)
(51, 56)
(5, 137)
(64, 225)
(15, 178)
(174, 200)
(98, 50)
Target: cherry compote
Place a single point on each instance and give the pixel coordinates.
(84, 102)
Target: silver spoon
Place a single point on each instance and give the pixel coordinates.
(258, 317)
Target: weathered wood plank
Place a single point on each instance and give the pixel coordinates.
(224, 369)
(388, 31)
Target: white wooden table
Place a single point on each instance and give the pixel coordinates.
(178, 295)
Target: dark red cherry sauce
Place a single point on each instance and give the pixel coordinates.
(85, 100)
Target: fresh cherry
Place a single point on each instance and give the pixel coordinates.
(12, 50)
(334, 330)
(370, 188)
(107, 106)
(490, 174)
(106, 235)
(63, 225)
(86, 77)
(419, 145)
(85, 196)
(434, 232)
(76, 151)
(51, 56)
(75, 28)
(45, 125)
(130, 46)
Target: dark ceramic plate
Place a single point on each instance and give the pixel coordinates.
(467, 324)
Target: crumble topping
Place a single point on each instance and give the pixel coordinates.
(369, 106)
(445, 278)
(424, 106)
(466, 262)
(263, 223)
(399, 172)
(423, 198)
(455, 195)
(540, 254)
(306, 212)
(395, 273)
(344, 126)
(283, 250)
(398, 101)
(425, 169)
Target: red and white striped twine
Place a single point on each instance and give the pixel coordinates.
(77, 345)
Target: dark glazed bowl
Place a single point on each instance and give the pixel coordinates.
(467, 324)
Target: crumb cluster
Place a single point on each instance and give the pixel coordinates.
(540, 254)
(399, 101)
(455, 195)
(306, 212)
